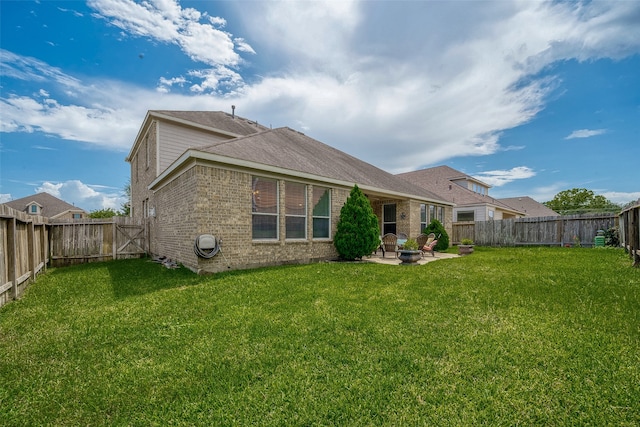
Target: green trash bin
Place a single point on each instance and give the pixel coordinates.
(599, 241)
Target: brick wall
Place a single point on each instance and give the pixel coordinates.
(171, 231)
(213, 200)
(143, 172)
(410, 224)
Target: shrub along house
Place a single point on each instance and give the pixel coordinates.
(268, 196)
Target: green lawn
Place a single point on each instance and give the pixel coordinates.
(527, 336)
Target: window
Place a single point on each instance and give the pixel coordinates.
(264, 208)
(34, 209)
(295, 212)
(321, 213)
(423, 217)
(432, 213)
(465, 216)
(389, 219)
(479, 189)
(77, 216)
(491, 214)
(441, 214)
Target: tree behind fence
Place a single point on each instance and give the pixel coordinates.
(545, 231)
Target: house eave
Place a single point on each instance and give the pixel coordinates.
(68, 211)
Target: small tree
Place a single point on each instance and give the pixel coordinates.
(358, 233)
(579, 201)
(438, 229)
(103, 213)
(125, 208)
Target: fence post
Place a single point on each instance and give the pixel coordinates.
(43, 246)
(31, 247)
(634, 250)
(12, 257)
(114, 249)
(560, 231)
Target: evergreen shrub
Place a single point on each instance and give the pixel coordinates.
(358, 232)
(437, 228)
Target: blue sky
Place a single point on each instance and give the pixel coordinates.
(530, 97)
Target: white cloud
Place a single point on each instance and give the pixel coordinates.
(400, 87)
(585, 133)
(84, 196)
(621, 198)
(498, 178)
(546, 193)
(5, 197)
(166, 21)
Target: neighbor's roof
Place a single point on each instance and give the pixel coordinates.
(529, 206)
(288, 151)
(51, 205)
(440, 180)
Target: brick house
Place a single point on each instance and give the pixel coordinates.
(269, 196)
(44, 204)
(470, 195)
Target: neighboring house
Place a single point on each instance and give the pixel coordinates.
(470, 195)
(44, 204)
(271, 196)
(530, 207)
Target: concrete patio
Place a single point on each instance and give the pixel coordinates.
(391, 259)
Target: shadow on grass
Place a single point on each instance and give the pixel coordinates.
(142, 276)
(135, 277)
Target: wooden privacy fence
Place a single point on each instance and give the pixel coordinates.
(546, 231)
(97, 239)
(630, 232)
(29, 242)
(24, 250)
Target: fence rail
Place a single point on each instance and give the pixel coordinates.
(24, 250)
(545, 231)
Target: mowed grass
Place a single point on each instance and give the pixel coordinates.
(525, 336)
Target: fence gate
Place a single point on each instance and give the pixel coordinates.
(97, 239)
(130, 239)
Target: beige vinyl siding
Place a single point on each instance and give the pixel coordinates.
(175, 140)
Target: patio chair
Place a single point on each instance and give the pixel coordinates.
(424, 239)
(430, 248)
(389, 244)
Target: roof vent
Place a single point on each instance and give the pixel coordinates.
(233, 111)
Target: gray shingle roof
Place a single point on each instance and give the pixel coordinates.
(289, 149)
(529, 206)
(439, 180)
(51, 205)
(215, 119)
